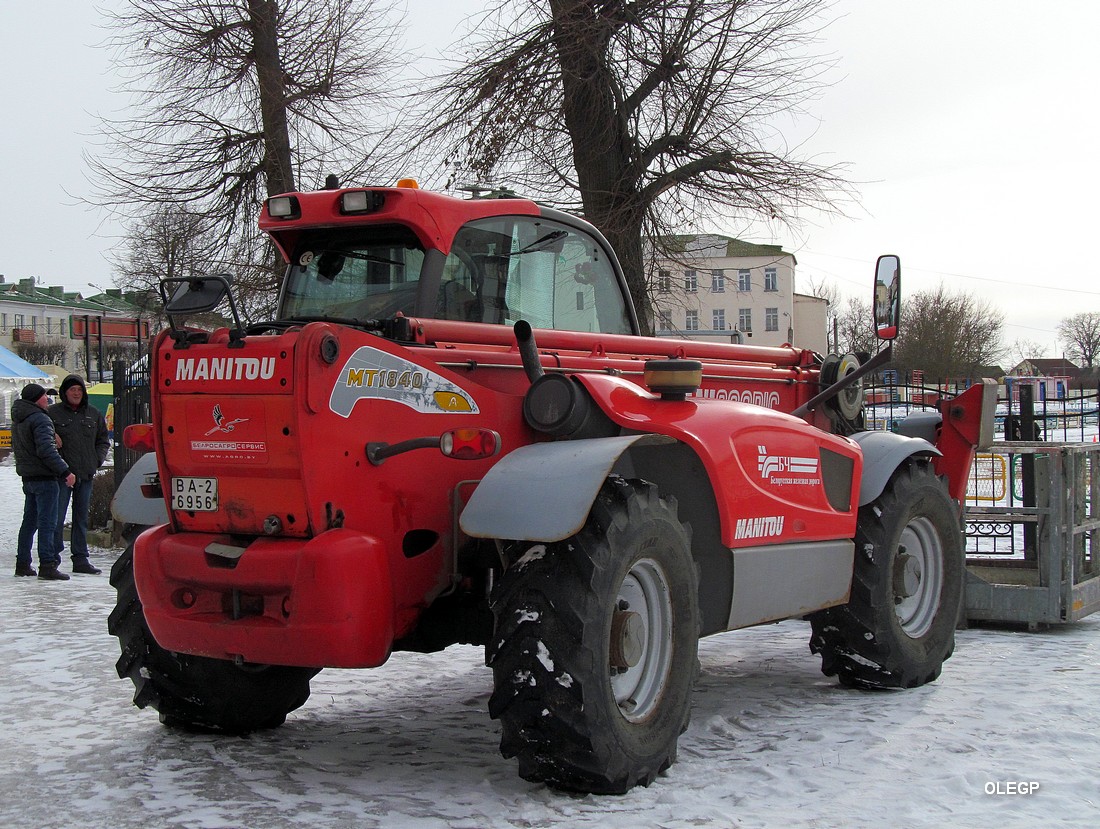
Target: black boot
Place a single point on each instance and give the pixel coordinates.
(82, 565)
(25, 570)
(51, 573)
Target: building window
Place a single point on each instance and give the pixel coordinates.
(744, 280)
(580, 300)
(18, 320)
(4, 321)
(744, 319)
(771, 280)
(664, 321)
(719, 319)
(771, 319)
(34, 323)
(691, 282)
(664, 282)
(691, 321)
(718, 281)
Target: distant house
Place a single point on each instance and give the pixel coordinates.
(720, 289)
(1051, 377)
(1047, 367)
(34, 315)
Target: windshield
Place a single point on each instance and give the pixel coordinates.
(509, 268)
(499, 270)
(352, 275)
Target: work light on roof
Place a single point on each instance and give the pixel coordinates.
(360, 201)
(284, 207)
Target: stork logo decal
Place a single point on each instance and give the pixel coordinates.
(783, 470)
(221, 424)
(373, 373)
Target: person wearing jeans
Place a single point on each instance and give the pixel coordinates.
(42, 469)
(84, 447)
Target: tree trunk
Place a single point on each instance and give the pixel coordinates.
(278, 172)
(601, 142)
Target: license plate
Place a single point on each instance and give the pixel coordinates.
(195, 494)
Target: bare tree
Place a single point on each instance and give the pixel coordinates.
(645, 115)
(170, 243)
(44, 352)
(948, 335)
(1080, 335)
(1024, 349)
(855, 327)
(235, 100)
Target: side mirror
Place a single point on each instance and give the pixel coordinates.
(197, 295)
(887, 298)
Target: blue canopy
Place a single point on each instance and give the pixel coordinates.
(14, 367)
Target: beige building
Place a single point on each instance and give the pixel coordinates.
(724, 290)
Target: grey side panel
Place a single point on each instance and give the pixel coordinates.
(130, 506)
(782, 581)
(544, 491)
(883, 452)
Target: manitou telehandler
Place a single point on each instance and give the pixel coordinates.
(453, 432)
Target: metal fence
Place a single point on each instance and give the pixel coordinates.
(1032, 525)
(131, 383)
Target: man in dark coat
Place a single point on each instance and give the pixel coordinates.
(42, 469)
(84, 446)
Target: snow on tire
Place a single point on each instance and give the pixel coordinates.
(195, 692)
(595, 649)
(907, 588)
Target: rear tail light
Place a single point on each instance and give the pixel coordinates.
(469, 444)
(141, 437)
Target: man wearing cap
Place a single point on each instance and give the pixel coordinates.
(42, 469)
(84, 446)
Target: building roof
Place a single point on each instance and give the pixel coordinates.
(1047, 367)
(717, 246)
(28, 292)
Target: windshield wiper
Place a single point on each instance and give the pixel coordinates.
(539, 243)
(354, 254)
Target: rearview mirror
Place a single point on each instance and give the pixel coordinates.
(197, 295)
(887, 299)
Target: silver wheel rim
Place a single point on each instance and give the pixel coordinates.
(918, 577)
(645, 592)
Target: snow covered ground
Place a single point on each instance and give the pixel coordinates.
(772, 742)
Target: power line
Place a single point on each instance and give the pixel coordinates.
(962, 275)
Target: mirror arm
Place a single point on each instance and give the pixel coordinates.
(884, 356)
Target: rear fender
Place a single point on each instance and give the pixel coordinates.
(130, 505)
(544, 491)
(884, 452)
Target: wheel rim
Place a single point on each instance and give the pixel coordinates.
(642, 630)
(918, 577)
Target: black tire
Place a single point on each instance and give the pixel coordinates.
(573, 720)
(907, 588)
(194, 692)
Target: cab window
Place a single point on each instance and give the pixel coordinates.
(504, 269)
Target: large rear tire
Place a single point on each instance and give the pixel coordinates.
(907, 588)
(195, 692)
(595, 649)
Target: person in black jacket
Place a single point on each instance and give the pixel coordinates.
(40, 466)
(84, 446)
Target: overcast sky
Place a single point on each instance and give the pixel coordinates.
(969, 127)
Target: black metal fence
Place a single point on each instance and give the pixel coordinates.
(131, 383)
(1011, 480)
